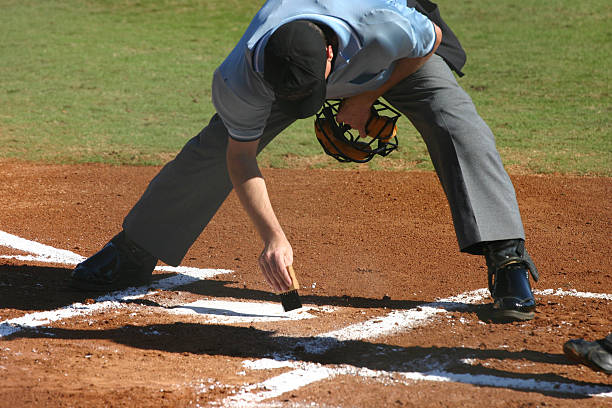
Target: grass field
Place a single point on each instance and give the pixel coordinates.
(128, 82)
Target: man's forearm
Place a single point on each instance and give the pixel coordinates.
(403, 69)
(253, 194)
(355, 110)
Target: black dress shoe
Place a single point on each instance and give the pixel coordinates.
(595, 354)
(512, 295)
(118, 265)
(509, 267)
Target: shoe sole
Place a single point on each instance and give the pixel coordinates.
(512, 315)
(579, 358)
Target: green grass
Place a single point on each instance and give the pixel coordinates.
(128, 82)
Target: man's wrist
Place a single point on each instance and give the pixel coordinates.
(272, 233)
(369, 97)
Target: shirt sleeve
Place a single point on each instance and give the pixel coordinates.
(244, 120)
(404, 32)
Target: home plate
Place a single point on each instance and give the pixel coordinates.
(220, 311)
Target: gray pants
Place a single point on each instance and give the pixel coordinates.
(181, 200)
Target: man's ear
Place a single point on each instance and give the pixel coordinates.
(330, 53)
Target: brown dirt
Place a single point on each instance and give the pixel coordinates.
(365, 243)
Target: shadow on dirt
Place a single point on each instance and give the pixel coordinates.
(452, 363)
(40, 288)
(46, 288)
(223, 289)
(28, 287)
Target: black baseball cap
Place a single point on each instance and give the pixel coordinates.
(294, 64)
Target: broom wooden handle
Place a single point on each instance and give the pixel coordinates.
(294, 282)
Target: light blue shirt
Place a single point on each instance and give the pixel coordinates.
(373, 35)
(348, 42)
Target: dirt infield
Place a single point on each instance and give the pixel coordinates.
(394, 315)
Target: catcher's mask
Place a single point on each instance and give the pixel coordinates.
(339, 142)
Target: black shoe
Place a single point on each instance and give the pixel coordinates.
(509, 268)
(594, 354)
(512, 295)
(118, 265)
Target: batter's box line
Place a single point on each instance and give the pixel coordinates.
(48, 254)
(114, 300)
(394, 322)
(304, 374)
(574, 293)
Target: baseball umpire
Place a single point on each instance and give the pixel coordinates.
(293, 56)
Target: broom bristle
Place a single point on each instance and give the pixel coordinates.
(291, 299)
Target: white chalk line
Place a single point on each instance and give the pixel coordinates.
(401, 321)
(573, 293)
(395, 322)
(114, 300)
(47, 254)
(309, 373)
(304, 373)
(230, 312)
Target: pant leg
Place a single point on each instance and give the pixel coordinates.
(462, 148)
(184, 196)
